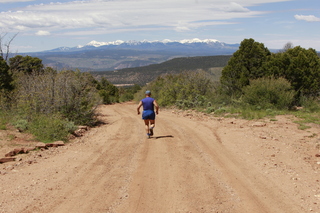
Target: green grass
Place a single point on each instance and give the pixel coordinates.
(3, 126)
(305, 118)
(247, 113)
(11, 137)
(3, 121)
(45, 128)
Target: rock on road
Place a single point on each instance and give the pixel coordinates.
(191, 164)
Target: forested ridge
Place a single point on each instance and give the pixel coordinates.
(145, 74)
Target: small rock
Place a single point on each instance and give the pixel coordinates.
(79, 132)
(259, 124)
(18, 151)
(27, 150)
(59, 143)
(83, 127)
(40, 145)
(10, 154)
(55, 144)
(317, 155)
(4, 160)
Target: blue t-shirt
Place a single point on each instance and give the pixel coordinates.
(148, 103)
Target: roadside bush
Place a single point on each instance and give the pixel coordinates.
(3, 120)
(127, 93)
(309, 104)
(72, 94)
(49, 129)
(267, 93)
(21, 124)
(107, 91)
(210, 109)
(190, 89)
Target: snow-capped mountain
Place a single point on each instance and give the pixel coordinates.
(198, 46)
(99, 44)
(135, 43)
(97, 55)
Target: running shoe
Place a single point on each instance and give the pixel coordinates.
(151, 131)
(148, 135)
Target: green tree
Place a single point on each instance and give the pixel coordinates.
(108, 92)
(26, 65)
(301, 67)
(5, 76)
(127, 93)
(245, 64)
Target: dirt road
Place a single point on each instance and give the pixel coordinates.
(193, 163)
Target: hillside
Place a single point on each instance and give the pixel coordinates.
(143, 75)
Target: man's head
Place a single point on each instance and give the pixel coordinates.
(148, 93)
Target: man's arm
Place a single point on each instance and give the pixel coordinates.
(156, 106)
(139, 106)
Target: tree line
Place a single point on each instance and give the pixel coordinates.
(254, 78)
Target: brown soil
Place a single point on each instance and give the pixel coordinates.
(193, 163)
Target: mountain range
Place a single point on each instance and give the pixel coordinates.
(109, 56)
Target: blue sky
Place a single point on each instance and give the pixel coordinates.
(48, 24)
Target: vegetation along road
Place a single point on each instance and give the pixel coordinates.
(193, 163)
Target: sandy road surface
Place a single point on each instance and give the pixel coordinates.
(192, 164)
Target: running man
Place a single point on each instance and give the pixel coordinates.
(148, 114)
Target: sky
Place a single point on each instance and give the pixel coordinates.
(38, 25)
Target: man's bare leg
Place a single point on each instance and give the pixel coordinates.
(146, 123)
(152, 125)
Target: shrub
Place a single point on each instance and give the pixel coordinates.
(49, 129)
(309, 104)
(21, 124)
(190, 89)
(3, 120)
(107, 91)
(127, 93)
(209, 110)
(267, 93)
(72, 94)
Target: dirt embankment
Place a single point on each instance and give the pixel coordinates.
(193, 163)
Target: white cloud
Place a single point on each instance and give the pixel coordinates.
(42, 33)
(13, 1)
(234, 7)
(310, 18)
(178, 15)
